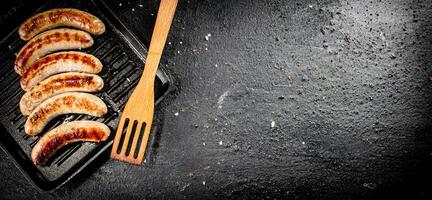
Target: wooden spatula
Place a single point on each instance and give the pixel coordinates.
(138, 113)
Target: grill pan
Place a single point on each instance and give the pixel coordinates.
(123, 59)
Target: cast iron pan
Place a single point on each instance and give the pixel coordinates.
(123, 58)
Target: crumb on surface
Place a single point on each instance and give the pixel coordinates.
(207, 37)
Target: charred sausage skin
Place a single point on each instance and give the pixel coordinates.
(76, 131)
(58, 84)
(70, 102)
(50, 41)
(60, 17)
(68, 61)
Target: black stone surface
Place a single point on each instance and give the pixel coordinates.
(346, 83)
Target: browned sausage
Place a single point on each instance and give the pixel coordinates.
(58, 84)
(69, 61)
(70, 102)
(49, 41)
(76, 131)
(60, 17)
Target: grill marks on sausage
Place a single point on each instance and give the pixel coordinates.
(61, 17)
(66, 82)
(55, 37)
(75, 81)
(78, 134)
(69, 15)
(59, 84)
(53, 59)
(35, 22)
(61, 57)
(42, 114)
(66, 101)
(65, 134)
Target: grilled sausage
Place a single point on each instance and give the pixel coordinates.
(49, 41)
(57, 63)
(76, 131)
(61, 17)
(70, 102)
(58, 84)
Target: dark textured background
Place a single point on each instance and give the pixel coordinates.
(347, 84)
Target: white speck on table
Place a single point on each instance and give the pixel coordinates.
(133, 9)
(220, 142)
(120, 4)
(128, 79)
(222, 98)
(181, 42)
(203, 182)
(140, 5)
(204, 144)
(303, 142)
(169, 43)
(176, 114)
(273, 124)
(206, 48)
(207, 37)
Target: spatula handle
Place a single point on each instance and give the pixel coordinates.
(160, 32)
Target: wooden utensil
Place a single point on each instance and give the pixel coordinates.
(138, 113)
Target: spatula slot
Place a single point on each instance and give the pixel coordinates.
(124, 128)
(129, 145)
(140, 137)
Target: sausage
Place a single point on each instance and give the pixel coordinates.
(70, 102)
(60, 17)
(49, 41)
(57, 63)
(76, 131)
(58, 84)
